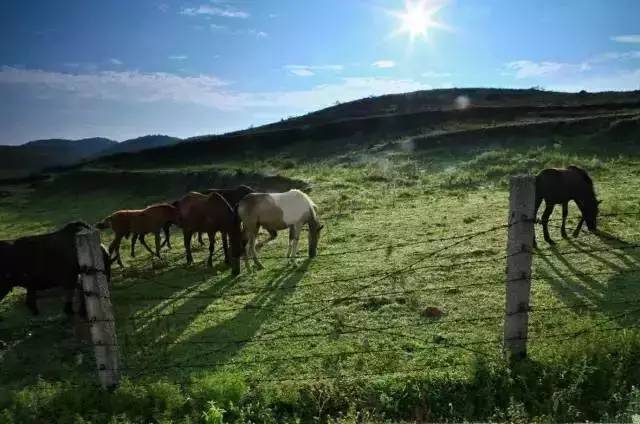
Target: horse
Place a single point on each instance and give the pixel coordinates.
(231, 195)
(210, 213)
(559, 186)
(275, 212)
(42, 262)
(139, 222)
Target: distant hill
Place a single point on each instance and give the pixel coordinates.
(390, 116)
(447, 99)
(141, 143)
(36, 155)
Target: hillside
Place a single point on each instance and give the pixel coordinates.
(39, 154)
(141, 143)
(449, 99)
(422, 114)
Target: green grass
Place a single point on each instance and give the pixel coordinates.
(174, 318)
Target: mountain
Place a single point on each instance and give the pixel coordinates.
(36, 155)
(141, 143)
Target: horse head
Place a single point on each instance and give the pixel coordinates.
(590, 213)
(314, 236)
(6, 262)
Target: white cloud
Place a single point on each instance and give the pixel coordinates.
(116, 62)
(614, 81)
(529, 69)
(273, 15)
(384, 64)
(205, 9)
(163, 7)
(302, 72)
(203, 90)
(309, 70)
(628, 38)
(216, 27)
(178, 57)
(258, 34)
(613, 56)
(434, 74)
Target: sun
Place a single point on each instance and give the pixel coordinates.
(418, 18)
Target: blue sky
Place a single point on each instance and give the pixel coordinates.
(123, 68)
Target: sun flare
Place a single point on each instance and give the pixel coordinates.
(418, 18)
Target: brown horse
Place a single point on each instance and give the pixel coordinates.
(559, 186)
(210, 214)
(279, 211)
(231, 195)
(153, 219)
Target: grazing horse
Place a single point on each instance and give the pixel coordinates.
(152, 219)
(275, 212)
(559, 186)
(210, 213)
(42, 262)
(231, 195)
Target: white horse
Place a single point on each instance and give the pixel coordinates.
(275, 212)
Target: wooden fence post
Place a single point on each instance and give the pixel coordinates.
(519, 248)
(98, 307)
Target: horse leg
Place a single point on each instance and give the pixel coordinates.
(187, 245)
(115, 247)
(144, 243)
(225, 247)
(133, 244)
(200, 241)
(535, 218)
(565, 212)
(31, 301)
(212, 245)
(158, 245)
(167, 237)
(545, 222)
(296, 238)
(254, 253)
(576, 232)
(291, 236)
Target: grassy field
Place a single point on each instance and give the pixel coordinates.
(398, 318)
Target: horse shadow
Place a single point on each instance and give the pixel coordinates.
(214, 344)
(610, 289)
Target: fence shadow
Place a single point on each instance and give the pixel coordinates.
(611, 289)
(170, 350)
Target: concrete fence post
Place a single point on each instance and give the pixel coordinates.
(519, 252)
(99, 310)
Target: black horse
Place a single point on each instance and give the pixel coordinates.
(559, 186)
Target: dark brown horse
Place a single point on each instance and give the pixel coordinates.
(44, 261)
(210, 214)
(231, 195)
(559, 186)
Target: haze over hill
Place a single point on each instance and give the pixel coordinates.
(33, 156)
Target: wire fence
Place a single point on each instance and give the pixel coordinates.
(305, 322)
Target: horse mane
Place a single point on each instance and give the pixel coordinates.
(582, 173)
(215, 194)
(314, 207)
